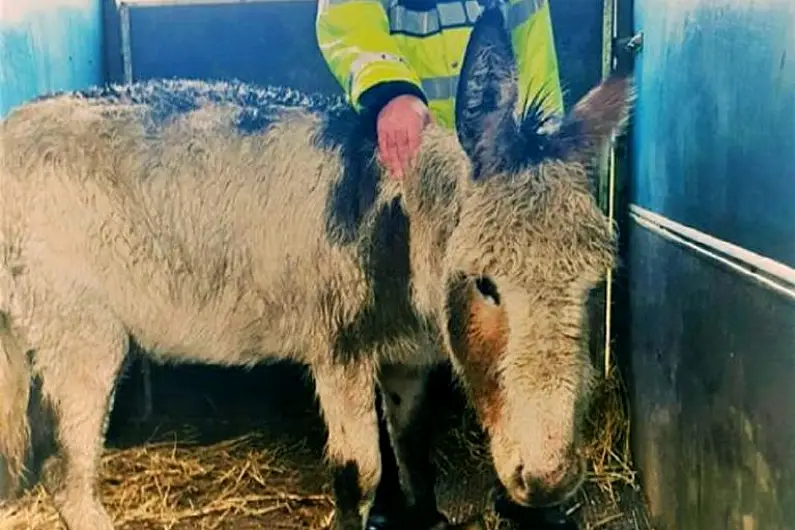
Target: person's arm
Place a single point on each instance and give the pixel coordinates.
(354, 39)
(537, 62)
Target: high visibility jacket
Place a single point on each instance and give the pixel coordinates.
(378, 49)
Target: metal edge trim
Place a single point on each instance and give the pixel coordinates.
(126, 47)
(607, 174)
(772, 274)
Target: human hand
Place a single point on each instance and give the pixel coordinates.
(399, 128)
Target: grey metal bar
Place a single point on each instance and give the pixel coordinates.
(126, 50)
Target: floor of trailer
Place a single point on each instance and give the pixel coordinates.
(464, 482)
(198, 473)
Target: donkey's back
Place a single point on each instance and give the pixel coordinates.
(196, 213)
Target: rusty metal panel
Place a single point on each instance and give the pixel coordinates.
(710, 263)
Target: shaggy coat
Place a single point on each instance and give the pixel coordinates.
(224, 224)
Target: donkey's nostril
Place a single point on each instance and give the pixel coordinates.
(520, 486)
(548, 490)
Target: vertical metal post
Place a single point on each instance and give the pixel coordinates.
(126, 49)
(146, 405)
(607, 175)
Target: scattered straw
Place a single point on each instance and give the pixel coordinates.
(254, 482)
(611, 499)
(175, 486)
(608, 450)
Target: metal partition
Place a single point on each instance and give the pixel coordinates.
(711, 257)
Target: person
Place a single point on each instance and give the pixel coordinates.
(400, 61)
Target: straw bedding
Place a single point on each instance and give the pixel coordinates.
(272, 477)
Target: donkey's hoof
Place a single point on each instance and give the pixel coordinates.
(541, 519)
(409, 520)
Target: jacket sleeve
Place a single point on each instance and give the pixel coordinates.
(537, 63)
(354, 39)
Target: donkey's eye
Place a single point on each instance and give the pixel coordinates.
(487, 289)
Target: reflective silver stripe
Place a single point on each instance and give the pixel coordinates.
(452, 14)
(422, 23)
(440, 87)
(473, 10)
(402, 20)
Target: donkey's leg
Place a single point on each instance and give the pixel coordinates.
(390, 501)
(346, 394)
(410, 429)
(78, 357)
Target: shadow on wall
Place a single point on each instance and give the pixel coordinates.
(48, 45)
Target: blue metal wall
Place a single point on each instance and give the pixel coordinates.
(713, 351)
(48, 45)
(717, 103)
(273, 41)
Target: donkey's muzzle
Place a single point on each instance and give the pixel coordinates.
(529, 489)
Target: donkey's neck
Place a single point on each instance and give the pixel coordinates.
(431, 198)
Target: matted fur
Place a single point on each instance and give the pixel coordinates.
(231, 227)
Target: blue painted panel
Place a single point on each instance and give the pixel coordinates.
(713, 401)
(265, 42)
(48, 45)
(712, 354)
(715, 123)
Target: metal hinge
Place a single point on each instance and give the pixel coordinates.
(631, 44)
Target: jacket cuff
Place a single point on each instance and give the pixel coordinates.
(377, 96)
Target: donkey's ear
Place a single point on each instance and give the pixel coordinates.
(487, 94)
(600, 114)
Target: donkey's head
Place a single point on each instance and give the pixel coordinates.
(527, 245)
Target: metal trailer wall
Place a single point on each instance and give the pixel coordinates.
(264, 41)
(273, 41)
(711, 257)
(48, 45)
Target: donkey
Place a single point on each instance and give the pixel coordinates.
(231, 225)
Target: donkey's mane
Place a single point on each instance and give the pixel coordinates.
(258, 106)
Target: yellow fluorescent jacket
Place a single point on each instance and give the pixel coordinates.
(378, 49)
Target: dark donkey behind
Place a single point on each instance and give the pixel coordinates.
(210, 244)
